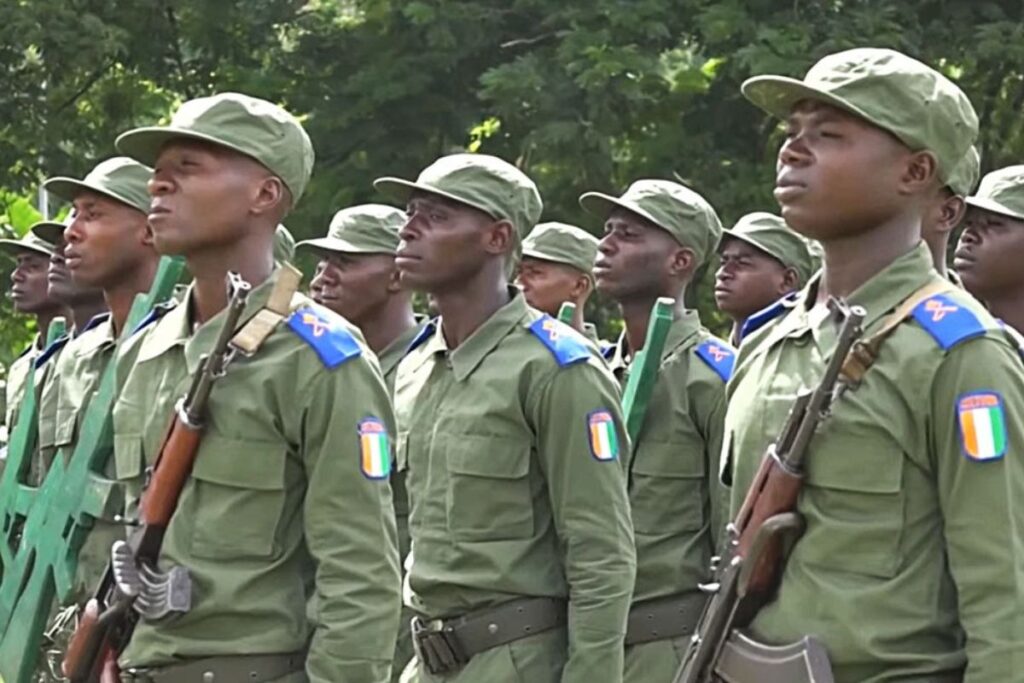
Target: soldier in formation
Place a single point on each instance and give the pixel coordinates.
(546, 506)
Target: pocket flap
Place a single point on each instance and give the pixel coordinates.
(861, 464)
(241, 463)
(127, 456)
(486, 456)
(67, 427)
(669, 460)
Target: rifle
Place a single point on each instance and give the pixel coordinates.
(747, 570)
(644, 368)
(566, 312)
(132, 586)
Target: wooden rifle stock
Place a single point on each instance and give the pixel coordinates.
(176, 458)
(750, 563)
(109, 619)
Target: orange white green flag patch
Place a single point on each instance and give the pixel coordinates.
(375, 453)
(604, 441)
(982, 421)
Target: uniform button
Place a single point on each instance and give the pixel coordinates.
(492, 628)
(208, 677)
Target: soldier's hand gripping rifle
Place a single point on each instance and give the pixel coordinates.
(133, 586)
(747, 570)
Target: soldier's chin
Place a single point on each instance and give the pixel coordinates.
(167, 245)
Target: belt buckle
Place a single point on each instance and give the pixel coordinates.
(435, 647)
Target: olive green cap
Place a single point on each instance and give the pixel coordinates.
(897, 93)
(363, 229)
(677, 209)
(51, 232)
(247, 125)
(481, 181)
(965, 175)
(1002, 192)
(119, 178)
(284, 244)
(30, 241)
(562, 243)
(770, 234)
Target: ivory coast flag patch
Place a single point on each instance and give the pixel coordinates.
(604, 442)
(982, 422)
(375, 454)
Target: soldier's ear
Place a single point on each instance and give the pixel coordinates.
(581, 286)
(271, 196)
(500, 237)
(790, 281)
(147, 235)
(952, 213)
(920, 173)
(394, 281)
(683, 262)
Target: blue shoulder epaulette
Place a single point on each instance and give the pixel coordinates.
(94, 321)
(719, 355)
(48, 353)
(768, 314)
(607, 349)
(425, 333)
(154, 314)
(331, 341)
(564, 343)
(947, 321)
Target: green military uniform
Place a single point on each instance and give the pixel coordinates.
(288, 502)
(373, 229)
(770, 234)
(514, 480)
(912, 563)
(674, 493)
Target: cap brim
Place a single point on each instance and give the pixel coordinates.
(777, 95)
(400, 190)
(994, 207)
(527, 253)
(14, 246)
(144, 144)
(601, 205)
(69, 188)
(49, 232)
(729, 234)
(340, 246)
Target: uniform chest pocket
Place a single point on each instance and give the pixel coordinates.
(238, 497)
(668, 489)
(488, 496)
(854, 506)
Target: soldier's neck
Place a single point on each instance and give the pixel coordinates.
(120, 297)
(937, 246)
(636, 314)
(852, 260)
(466, 308)
(85, 310)
(43, 320)
(210, 271)
(734, 333)
(387, 323)
(1008, 306)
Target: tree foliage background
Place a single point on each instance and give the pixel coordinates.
(581, 94)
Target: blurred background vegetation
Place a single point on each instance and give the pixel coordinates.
(581, 94)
